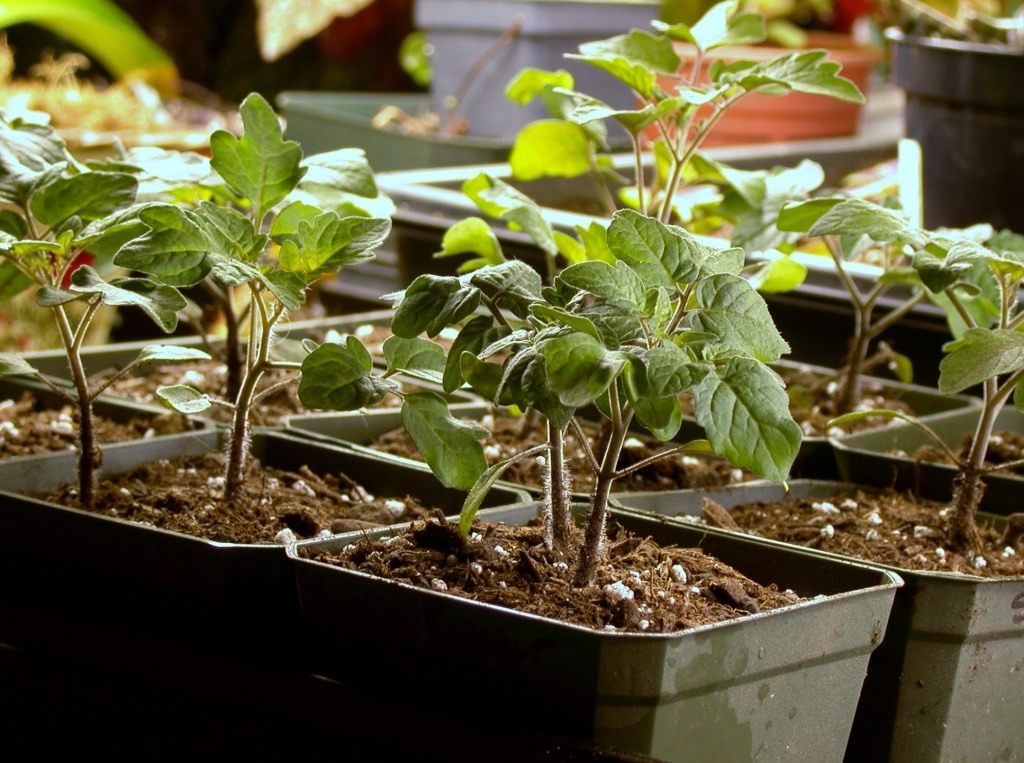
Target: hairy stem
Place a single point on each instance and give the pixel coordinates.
(849, 393)
(89, 456)
(593, 541)
(560, 521)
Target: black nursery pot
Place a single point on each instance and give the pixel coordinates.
(773, 686)
(965, 106)
(945, 683)
(159, 570)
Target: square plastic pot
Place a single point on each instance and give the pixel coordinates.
(328, 121)
(945, 683)
(763, 686)
(160, 568)
(867, 458)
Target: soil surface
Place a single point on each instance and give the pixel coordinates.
(672, 473)
(891, 528)
(27, 427)
(186, 495)
(812, 401)
(1003, 447)
(639, 586)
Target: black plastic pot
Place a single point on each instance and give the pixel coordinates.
(773, 686)
(163, 568)
(869, 458)
(945, 682)
(965, 106)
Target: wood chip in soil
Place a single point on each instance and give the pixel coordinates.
(186, 495)
(27, 427)
(1003, 447)
(639, 585)
(673, 473)
(889, 527)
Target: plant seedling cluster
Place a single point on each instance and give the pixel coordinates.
(662, 317)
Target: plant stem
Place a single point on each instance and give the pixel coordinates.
(232, 347)
(558, 489)
(89, 457)
(641, 202)
(593, 540)
(850, 392)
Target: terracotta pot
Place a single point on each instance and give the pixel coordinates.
(762, 118)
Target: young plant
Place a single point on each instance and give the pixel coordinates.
(682, 114)
(983, 285)
(273, 241)
(850, 227)
(59, 217)
(666, 316)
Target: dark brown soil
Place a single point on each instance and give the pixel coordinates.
(639, 585)
(186, 495)
(813, 401)
(673, 473)
(891, 528)
(1003, 447)
(29, 428)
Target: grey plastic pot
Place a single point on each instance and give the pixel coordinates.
(945, 683)
(868, 458)
(195, 574)
(327, 121)
(460, 32)
(774, 686)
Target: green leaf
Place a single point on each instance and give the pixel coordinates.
(431, 303)
(471, 236)
(735, 313)
(472, 338)
(806, 72)
(415, 355)
(184, 399)
(344, 170)
(479, 491)
(633, 59)
(902, 367)
(286, 222)
(671, 371)
(288, 288)
(801, 217)
(177, 245)
(88, 195)
(414, 58)
(15, 365)
(580, 323)
(450, 447)
(858, 217)
(512, 284)
(260, 166)
(327, 243)
(662, 255)
(570, 248)
(595, 242)
(484, 378)
(498, 199)
(719, 26)
(579, 368)
(169, 353)
(745, 412)
(337, 377)
(531, 82)
(779, 274)
(161, 303)
(619, 285)
(978, 355)
(551, 148)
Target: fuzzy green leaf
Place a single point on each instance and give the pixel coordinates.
(184, 399)
(169, 353)
(735, 313)
(551, 148)
(720, 25)
(531, 82)
(745, 412)
(498, 199)
(260, 166)
(471, 338)
(805, 72)
(579, 368)
(161, 303)
(471, 236)
(414, 355)
(338, 377)
(512, 284)
(88, 195)
(978, 355)
(15, 365)
(344, 170)
(778, 275)
(450, 447)
(327, 243)
(479, 491)
(619, 285)
(431, 303)
(634, 59)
